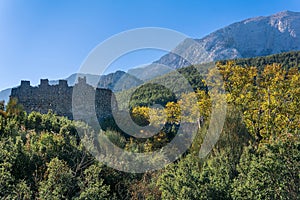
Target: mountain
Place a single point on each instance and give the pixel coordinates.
(118, 81)
(193, 74)
(252, 37)
(287, 60)
(91, 79)
(150, 71)
(4, 95)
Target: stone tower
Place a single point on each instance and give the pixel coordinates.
(58, 98)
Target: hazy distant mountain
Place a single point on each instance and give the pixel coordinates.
(119, 81)
(4, 95)
(150, 71)
(253, 37)
(116, 81)
(91, 79)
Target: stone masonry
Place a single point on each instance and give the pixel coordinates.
(58, 98)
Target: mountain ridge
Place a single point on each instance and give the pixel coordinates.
(252, 37)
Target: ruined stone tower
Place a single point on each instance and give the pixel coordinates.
(58, 98)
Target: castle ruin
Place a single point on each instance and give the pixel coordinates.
(58, 98)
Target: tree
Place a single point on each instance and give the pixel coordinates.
(91, 184)
(271, 172)
(267, 100)
(7, 159)
(3, 116)
(15, 110)
(140, 115)
(181, 181)
(191, 178)
(2, 105)
(59, 181)
(22, 191)
(34, 121)
(151, 94)
(146, 187)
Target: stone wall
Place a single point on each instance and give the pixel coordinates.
(58, 98)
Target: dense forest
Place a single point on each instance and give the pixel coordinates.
(257, 156)
(286, 60)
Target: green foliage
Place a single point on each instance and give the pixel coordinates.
(267, 100)
(13, 108)
(146, 187)
(150, 94)
(286, 60)
(271, 172)
(217, 174)
(58, 182)
(8, 154)
(12, 168)
(22, 191)
(140, 115)
(49, 122)
(116, 138)
(2, 105)
(154, 92)
(209, 178)
(182, 180)
(190, 75)
(92, 186)
(42, 156)
(189, 179)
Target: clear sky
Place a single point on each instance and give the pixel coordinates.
(51, 38)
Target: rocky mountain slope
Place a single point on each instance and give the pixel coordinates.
(252, 37)
(4, 95)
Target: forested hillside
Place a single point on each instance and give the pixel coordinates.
(256, 157)
(194, 75)
(286, 60)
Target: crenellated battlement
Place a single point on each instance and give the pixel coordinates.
(63, 83)
(58, 98)
(44, 83)
(25, 83)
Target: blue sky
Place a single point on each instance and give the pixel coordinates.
(51, 38)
